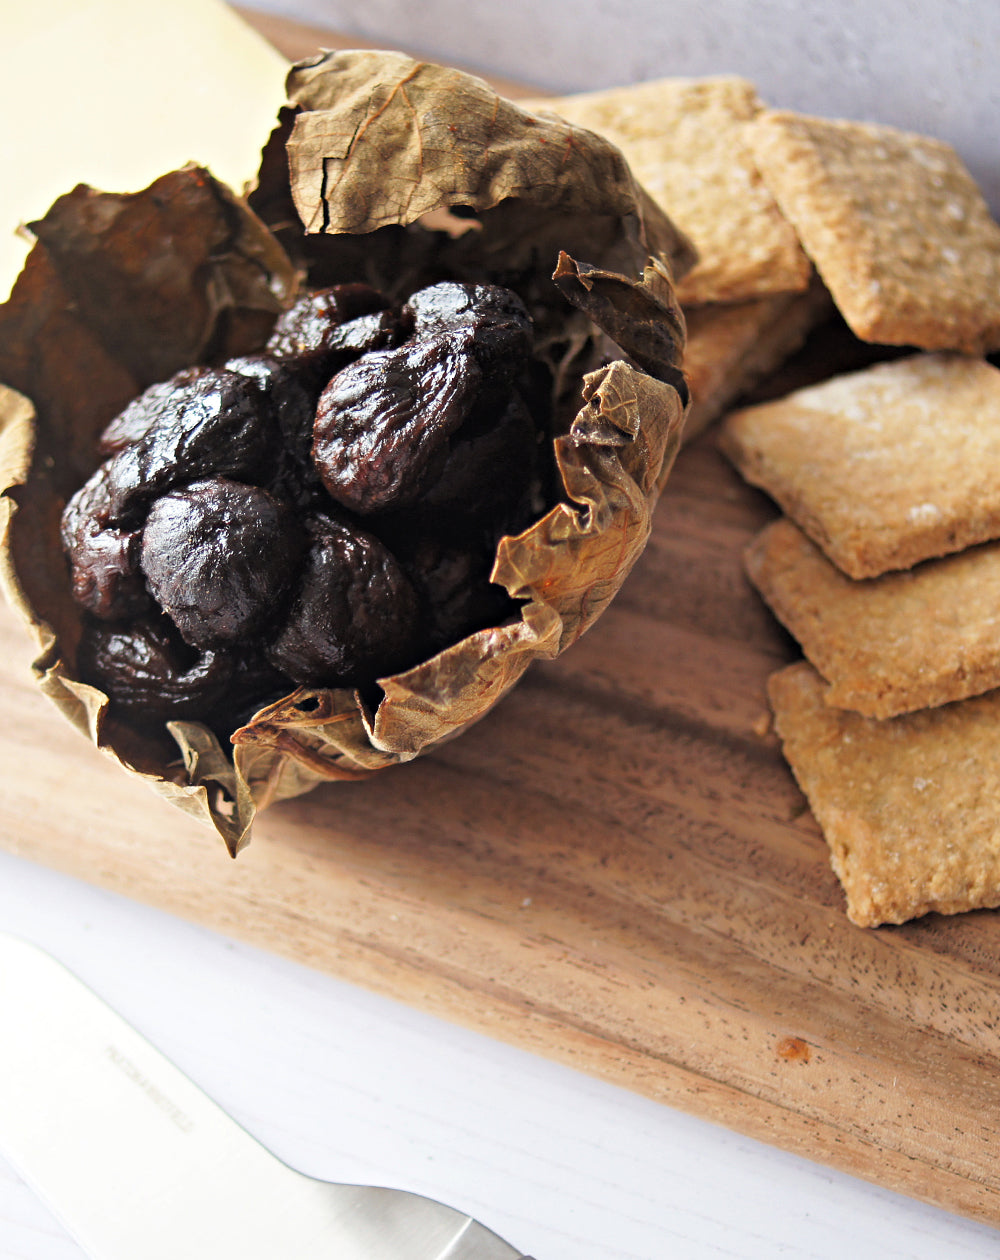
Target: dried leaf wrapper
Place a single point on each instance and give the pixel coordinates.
(124, 290)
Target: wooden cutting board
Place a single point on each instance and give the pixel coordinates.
(615, 869)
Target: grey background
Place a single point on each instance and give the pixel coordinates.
(929, 67)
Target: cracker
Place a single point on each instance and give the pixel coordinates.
(831, 349)
(895, 225)
(884, 467)
(683, 139)
(907, 806)
(731, 347)
(892, 644)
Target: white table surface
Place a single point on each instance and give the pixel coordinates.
(346, 1085)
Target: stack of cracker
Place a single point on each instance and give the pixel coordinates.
(886, 564)
(886, 572)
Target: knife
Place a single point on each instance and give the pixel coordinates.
(137, 1162)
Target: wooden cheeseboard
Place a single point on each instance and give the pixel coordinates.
(614, 869)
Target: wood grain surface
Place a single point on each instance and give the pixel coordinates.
(614, 869)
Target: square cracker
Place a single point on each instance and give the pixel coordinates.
(884, 467)
(891, 644)
(732, 347)
(895, 225)
(907, 806)
(683, 139)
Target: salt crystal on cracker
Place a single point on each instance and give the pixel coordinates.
(892, 644)
(885, 467)
(895, 225)
(908, 806)
(683, 139)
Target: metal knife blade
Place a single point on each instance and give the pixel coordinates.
(137, 1161)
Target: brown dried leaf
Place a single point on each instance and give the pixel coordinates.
(645, 321)
(168, 277)
(367, 150)
(376, 140)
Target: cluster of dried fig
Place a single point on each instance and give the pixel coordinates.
(320, 514)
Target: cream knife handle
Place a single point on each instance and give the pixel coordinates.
(136, 1160)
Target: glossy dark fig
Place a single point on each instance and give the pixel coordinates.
(150, 674)
(215, 422)
(383, 424)
(354, 615)
(218, 558)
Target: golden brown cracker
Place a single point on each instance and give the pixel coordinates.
(895, 225)
(683, 139)
(907, 806)
(884, 467)
(731, 347)
(888, 645)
